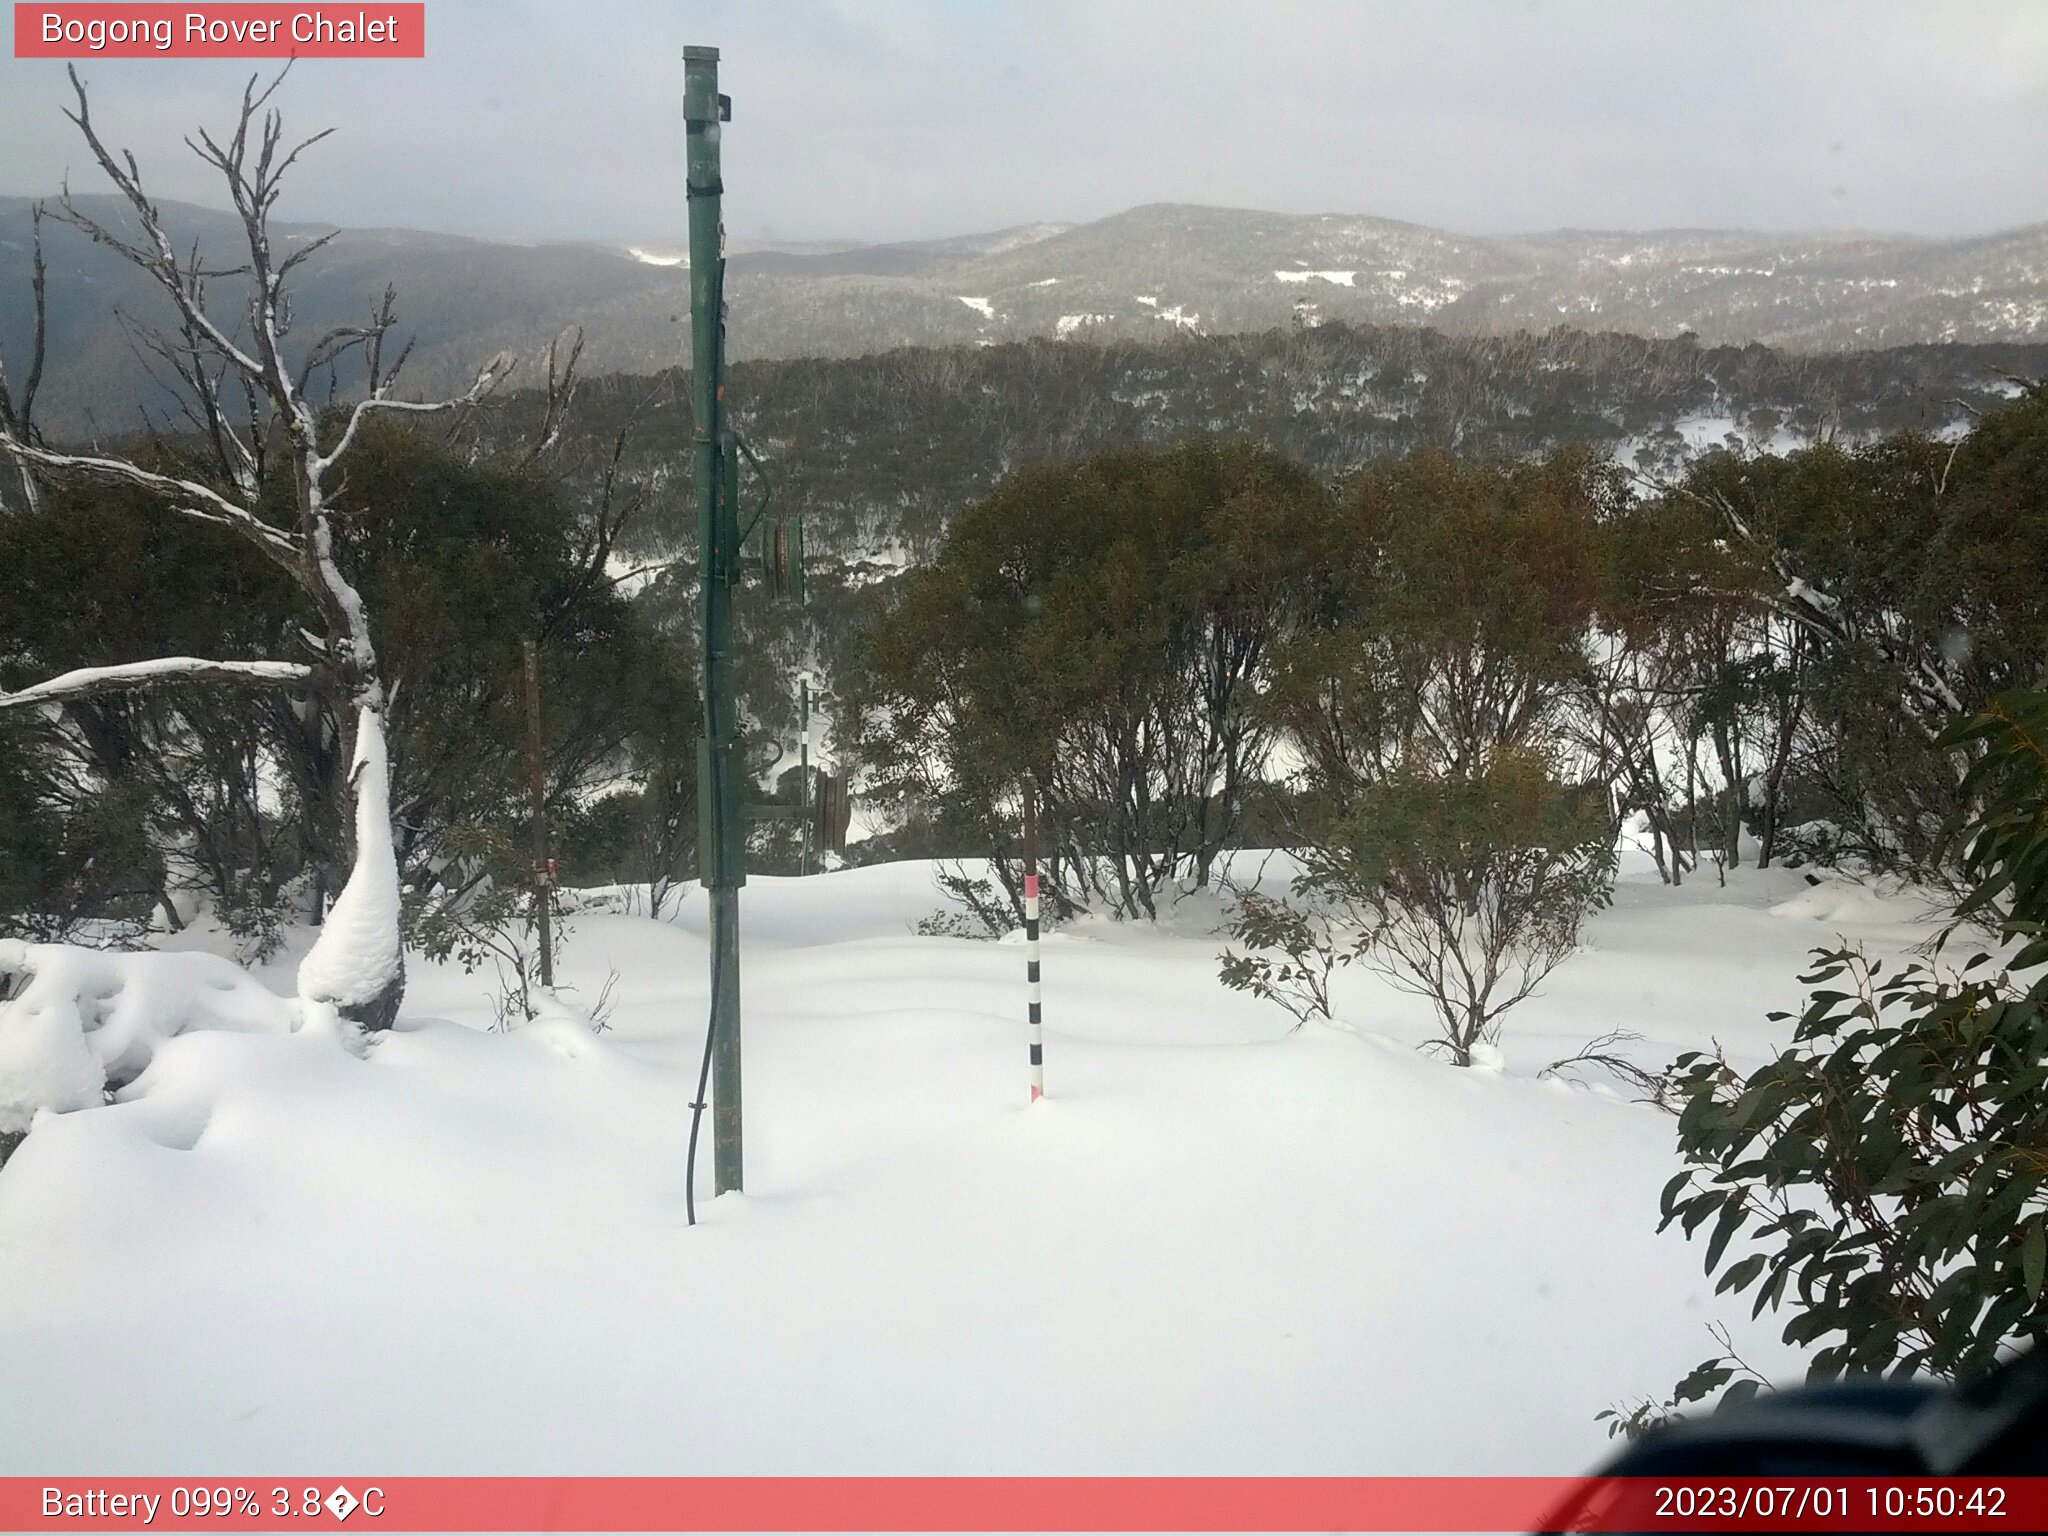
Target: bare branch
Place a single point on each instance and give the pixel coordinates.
(330, 348)
(343, 339)
(561, 389)
(160, 261)
(1603, 1052)
(488, 378)
(306, 252)
(188, 498)
(70, 213)
(274, 174)
(37, 282)
(19, 421)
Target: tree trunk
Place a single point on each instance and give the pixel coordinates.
(1781, 754)
(1733, 796)
(357, 965)
(1692, 799)
(1475, 1027)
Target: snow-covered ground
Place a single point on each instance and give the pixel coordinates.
(1217, 1247)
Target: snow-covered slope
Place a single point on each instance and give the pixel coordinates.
(1216, 1248)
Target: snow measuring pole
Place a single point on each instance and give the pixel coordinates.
(721, 831)
(1031, 977)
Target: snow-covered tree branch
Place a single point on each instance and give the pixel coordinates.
(86, 681)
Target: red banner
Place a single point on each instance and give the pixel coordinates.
(113, 31)
(1024, 1504)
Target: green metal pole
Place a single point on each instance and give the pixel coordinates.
(803, 758)
(721, 840)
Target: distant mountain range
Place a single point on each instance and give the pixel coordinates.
(1151, 272)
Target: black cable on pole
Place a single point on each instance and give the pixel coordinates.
(697, 1108)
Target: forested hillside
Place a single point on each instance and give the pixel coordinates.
(877, 452)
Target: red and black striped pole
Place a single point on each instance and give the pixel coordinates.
(1031, 935)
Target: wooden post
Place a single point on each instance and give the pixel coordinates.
(543, 866)
(803, 821)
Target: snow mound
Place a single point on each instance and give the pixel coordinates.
(78, 1021)
(559, 1026)
(356, 959)
(1849, 901)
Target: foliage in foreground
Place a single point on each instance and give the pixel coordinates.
(1888, 1173)
(1291, 949)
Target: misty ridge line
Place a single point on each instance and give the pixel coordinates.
(657, 241)
(1154, 272)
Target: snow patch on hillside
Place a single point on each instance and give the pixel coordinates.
(981, 307)
(1341, 279)
(1023, 235)
(1431, 296)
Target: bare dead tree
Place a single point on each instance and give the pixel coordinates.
(247, 401)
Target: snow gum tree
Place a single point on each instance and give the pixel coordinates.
(1105, 625)
(1468, 888)
(275, 465)
(1428, 699)
(1899, 580)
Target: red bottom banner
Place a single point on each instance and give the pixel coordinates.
(967, 1504)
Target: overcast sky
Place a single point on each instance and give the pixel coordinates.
(898, 119)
